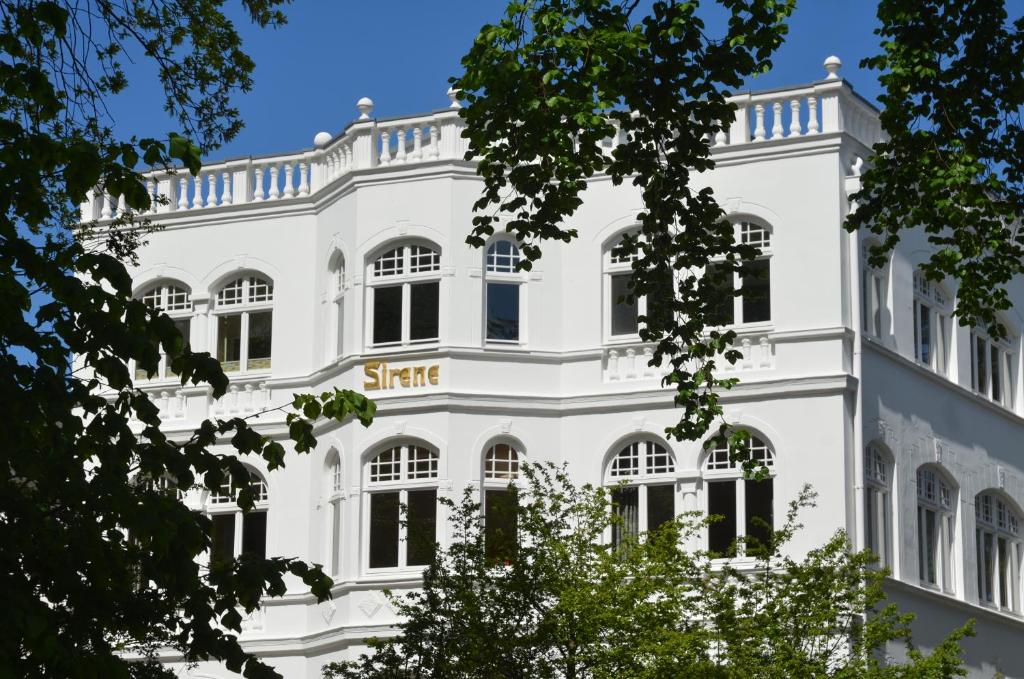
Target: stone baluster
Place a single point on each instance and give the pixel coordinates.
(748, 360)
(182, 193)
(332, 164)
(211, 190)
(247, 404)
(758, 122)
(721, 139)
(631, 372)
(613, 364)
(400, 145)
(257, 188)
(812, 115)
(417, 142)
(197, 188)
(122, 205)
(647, 358)
(794, 120)
(225, 194)
(151, 192)
(766, 353)
(385, 147)
(232, 401)
(289, 184)
(776, 119)
(435, 141)
(275, 193)
(303, 181)
(105, 212)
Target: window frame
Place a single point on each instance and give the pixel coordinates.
(334, 487)
(878, 504)
(244, 309)
(612, 267)
(646, 476)
(999, 520)
(337, 286)
(492, 273)
(937, 495)
(765, 254)
(718, 467)
(161, 303)
(934, 297)
(874, 280)
(1007, 359)
(224, 502)
(405, 278)
(402, 486)
(495, 481)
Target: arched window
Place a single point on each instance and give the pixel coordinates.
(336, 294)
(402, 475)
(931, 324)
(622, 315)
(746, 505)
(754, 303)
(500, 503)
(648, 499)
(235, 532)
(175, 300)
(936, 529)
(502, 290)
(244, 309)
(404, 283)
(997, 537)
(335, 495)
(872, 293)
(878, 504)
(992, 368)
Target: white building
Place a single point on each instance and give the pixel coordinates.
(346, 266)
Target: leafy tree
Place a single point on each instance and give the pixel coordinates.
(98, 559)
(568, 604)
(953, 94)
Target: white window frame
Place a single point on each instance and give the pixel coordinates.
(252, 300)
(336, 316)
(407, 481)
(224, 501)
(501, 464)
(611, 267)
(873, 294)
(410, 270)
(497, 270)
(932, 301)
(937, 497)
(643, 463)
(878, 522)
(998, 521)
(174, 299)
(982, 383)
(335, 491)
(761, 235)
(719, 467)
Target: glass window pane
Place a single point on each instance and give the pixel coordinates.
(260, 323)
(254, 534)
(339, 339)
(422, 537)
(870, 520)
(981, 363)
(500, 526)
(757, 303)
(876, 297)
(722, 309)
(997, 392)
(925, 334)
(503, 311)
(624, 313)
(383, 530)
(988, 563)
(661, 505)
(335, 544)
(222, 537)
(1004, 573)
(626, 506)
(759, 514)
(387, 314)
(229, 341)
(423, 311)
(722, 502)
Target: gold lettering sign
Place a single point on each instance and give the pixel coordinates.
(380, 375)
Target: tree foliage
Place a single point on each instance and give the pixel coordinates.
(953, 94)
(568, 604)
(99, 561)
(544, 86)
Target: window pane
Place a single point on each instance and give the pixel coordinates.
(222, 537)
(876, 300)
(423, 310)
(503, 311)
(422, 537)
(1004, 572)
(387, 314)
(254, 534)
(259, 340)
(624, 314)
(988, 563)
(661, 505)
(383, 530)
(722, 307)
(925, 333)
(229, 341)
(980, 362)
(722, 502)
(997, 392)
(870, 520)
(759, 514)
(980, 564)
(335, 544)
(757, 303)
(626, 506)
(339, 339)
(500, 526)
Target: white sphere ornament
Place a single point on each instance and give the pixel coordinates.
(832, 65)
(365, 106)
(453, 97)
(322, 139)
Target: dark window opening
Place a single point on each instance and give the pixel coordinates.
(383, 530)
(422, 527)
(423, 310)
(222, 538)
(722, 503)
(501, 524)
(661, 506)
(387, 314)
(503, 311)
(759, 515)
(626, 506)
(757, 302)
(254, 534)
(624, 312)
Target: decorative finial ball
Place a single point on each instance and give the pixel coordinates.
(453, 97)
(322, 139)
(832, 65)
(365, 106)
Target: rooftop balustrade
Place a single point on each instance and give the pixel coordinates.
(824, 107)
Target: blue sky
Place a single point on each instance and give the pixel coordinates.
(310, 73)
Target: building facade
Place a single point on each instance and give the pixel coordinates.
(346, 266)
